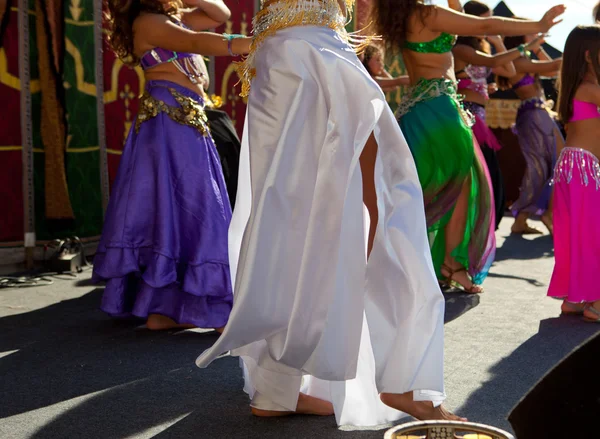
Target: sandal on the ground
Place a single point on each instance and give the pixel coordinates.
(569, 308)
(593, 311)
(473, 289)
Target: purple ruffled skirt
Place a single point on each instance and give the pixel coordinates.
(164, 245)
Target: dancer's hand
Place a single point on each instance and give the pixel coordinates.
(492, 88)
(494, 40)
(550, 18)
(536, 43)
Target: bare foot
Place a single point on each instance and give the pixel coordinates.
(572, 308)
(307, 405)
(157, 322)
(421, 410)
(525, 229)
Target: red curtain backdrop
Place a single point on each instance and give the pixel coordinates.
(225, 78)
(122, 87)
(11, 175)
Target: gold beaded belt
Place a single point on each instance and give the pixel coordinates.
(190, 112)
(427, 89)
(277, 15)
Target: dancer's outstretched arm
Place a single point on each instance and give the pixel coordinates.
(456, 23)
(159, 31)
(477, 58)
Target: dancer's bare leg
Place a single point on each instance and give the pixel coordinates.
(455, 231)
(157, 322)
(307, 405)
(421, 410)
(367, 168)
(547, 218)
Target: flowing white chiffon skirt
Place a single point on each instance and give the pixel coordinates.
(309, 312)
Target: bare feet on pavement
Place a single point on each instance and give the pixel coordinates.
(421, 410)
(157, 322)
(307, 405)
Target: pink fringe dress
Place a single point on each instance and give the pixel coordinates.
(576, 229)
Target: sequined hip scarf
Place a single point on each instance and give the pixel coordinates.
(586, 162)
(476, 109)
(428, 89)
(534, 103)
(190, 111)
(277, 15)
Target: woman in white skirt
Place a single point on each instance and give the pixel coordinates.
(336, 309)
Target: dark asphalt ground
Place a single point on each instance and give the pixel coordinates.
(68, 371)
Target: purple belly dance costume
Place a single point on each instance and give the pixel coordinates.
(164, 245)
(537, 133)
(477, 81)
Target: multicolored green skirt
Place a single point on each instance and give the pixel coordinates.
(438, 132)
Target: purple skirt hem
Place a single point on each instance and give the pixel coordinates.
(209, 278)
(202, 312)
(141, 281)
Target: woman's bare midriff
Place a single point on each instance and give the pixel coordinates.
(168, 72)
(428, 65)
(472, 96)
(584, 134)
(527, 91)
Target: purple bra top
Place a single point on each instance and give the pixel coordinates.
(158, 55)
(190, 64)
(525, 80)
(477, 80)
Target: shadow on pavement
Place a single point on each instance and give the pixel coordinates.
(458, 304)
(516, 374)
(516, 247)
(120, 382)
(71, 349)
(529, 280)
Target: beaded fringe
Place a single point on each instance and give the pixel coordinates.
(427, 89)
(283, 14)
(586, 162)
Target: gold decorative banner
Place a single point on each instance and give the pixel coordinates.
(57, 202)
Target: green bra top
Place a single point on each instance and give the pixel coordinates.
(442, 44)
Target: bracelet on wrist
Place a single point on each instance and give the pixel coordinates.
(522, 49)
(230, 38)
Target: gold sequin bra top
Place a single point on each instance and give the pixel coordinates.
(276, 15)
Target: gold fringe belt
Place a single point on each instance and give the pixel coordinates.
(190, 112)
(282, 14)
